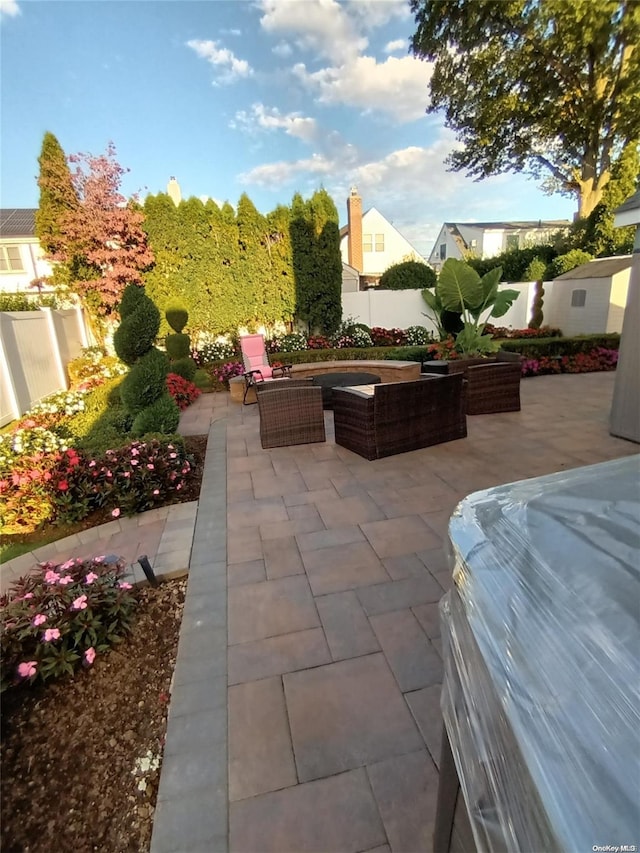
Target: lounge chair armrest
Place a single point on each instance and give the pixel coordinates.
(283, 369)
(249, 373)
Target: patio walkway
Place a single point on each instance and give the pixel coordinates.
(305, 709)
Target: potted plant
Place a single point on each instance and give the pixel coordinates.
(461, 290)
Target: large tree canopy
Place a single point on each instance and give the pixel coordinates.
(545, 86)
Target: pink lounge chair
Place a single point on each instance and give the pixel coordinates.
(256, 364)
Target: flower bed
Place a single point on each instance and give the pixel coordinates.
(62, 616)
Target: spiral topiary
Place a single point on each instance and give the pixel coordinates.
(178, 344)
(143, 390)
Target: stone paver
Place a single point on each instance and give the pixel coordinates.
(260, 755)
(328, 816)
(311, 616)
(345, 715)
(405, 788)
(261, 610)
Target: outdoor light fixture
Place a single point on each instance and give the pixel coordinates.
(146, 568)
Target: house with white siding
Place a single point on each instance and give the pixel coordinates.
(463, 240)
(370, 244)
(21, 256)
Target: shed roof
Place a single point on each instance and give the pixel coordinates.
(600, 268)
(17, 222)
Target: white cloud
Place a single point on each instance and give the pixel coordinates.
(395, 46)
(9, 7)
(231, 32)
(270, 118)
(376, 13)
(231, 67)
(273, 175)
(282, 49)
(398, 87)
(321, 25)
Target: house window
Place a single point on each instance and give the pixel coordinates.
(10, 260)
(443, 251)
(578, 298)
(367, 242)
(379, 242)
(513, 241)
(473, 244)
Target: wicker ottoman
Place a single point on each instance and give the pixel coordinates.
(329, 381)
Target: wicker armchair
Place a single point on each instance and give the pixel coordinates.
(493, 385)
(400, 416)
(290, 413)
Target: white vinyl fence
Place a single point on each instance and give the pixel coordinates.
(402, 308)
(35, 347)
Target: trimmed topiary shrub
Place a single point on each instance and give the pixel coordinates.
(185, 367)
(162, 416)
(140, 322)
(142, 386)
(408, 275)
(143, 391)
(178, 344)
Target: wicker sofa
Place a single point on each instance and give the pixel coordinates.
(386, 419)
(290, 412)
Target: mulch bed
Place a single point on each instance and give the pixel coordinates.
(76, 752)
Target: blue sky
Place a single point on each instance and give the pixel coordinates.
(267, 97)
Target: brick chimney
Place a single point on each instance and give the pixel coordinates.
(354, 217)
(173, 191)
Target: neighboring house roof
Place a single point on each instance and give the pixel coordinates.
(600, 268)
(344, 231)
(350, 268)
(17, 222)
(632, 203)
(512, 226)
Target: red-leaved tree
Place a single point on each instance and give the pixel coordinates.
(101, 241)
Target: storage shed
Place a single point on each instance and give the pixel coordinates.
(591, 298)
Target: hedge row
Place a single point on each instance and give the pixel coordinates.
(533, 348)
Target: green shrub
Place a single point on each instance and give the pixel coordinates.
(185, 367)
(146, 382)
(565, 263)
(132, 297)
(23, 302)
(178, 346)
(162, 416)
(96, 403)
(537, 347)
(408, 275)
(138, 329)
(177, 316)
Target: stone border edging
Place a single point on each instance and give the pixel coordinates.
(192, 804)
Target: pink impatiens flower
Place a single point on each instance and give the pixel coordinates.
(51, 634)
(91, 577)
(67, 565)
(80, 603)
(150, 466)
(115, 512)
(124, 585)
(51, 577)
(27, 669)
(65, 580)
(28, 595)
(90, 655)
(38, 619)
(156, 491)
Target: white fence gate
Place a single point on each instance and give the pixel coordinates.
(35, 347)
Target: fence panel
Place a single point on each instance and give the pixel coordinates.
(35, 347)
